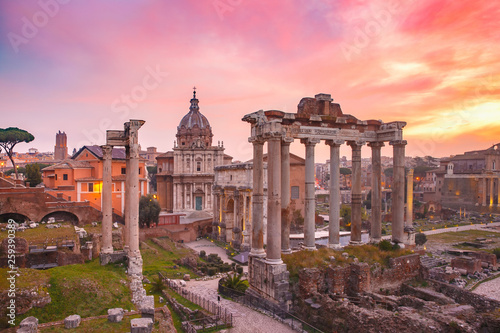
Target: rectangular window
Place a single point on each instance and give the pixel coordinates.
(56, 176)
(295, 193)
(139, 170)
(91, 187)
(124, 171)
(65, 176)
(198, 166)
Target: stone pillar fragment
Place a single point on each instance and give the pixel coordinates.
(356, 192)
(376, 200)
(107, 201)
(334, 224)
(285, 195)
(273, 249)
(398, 190)
(310, 202)
(258, 200)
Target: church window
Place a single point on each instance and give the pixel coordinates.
(198, 166)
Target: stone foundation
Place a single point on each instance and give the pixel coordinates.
(106, 258)
(471, 265)
(270, 281)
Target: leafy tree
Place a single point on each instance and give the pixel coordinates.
(33, 174)
(345, 171)
(149, 211)
(152, 171)
(11, 171)
(388, 172)
(420, 238)
(10, 137)
(345, 213)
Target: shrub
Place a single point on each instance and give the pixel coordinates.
(420, 238)
(239, 269)
(384, 231)
(203, 254)
(211, 271)
(385, 245)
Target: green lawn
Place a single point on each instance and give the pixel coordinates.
(95, 326)
(463, 236)
(87, 290)
(41, 234)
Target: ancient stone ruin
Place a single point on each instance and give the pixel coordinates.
(316, 119)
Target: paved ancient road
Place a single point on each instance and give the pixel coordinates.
(244, 319)
(489, 289)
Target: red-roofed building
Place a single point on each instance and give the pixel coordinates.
(80, 178)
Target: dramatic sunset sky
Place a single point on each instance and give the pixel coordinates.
(73, 65)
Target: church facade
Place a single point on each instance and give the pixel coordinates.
(186, 175)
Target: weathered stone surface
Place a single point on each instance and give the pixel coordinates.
(29, 324)
(187, 277)
(427, 294)
(106, 258)
(141, 325)
(22, 245)
(472, 265)
(115, 315)
(72, 321)
(148, 307)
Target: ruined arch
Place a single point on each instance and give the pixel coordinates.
(62, 215)
(19, 218)
(230, 206)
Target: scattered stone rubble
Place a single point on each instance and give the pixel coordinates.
(72, 321)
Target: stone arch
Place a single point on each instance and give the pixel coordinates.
(230, 206)
(62, 215)
(19, 218)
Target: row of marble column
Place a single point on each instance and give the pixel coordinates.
(278, 221)
(489, 184)
(131, 228)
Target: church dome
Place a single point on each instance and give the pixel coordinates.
(194, 129)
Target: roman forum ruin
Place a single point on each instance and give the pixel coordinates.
(316, 119)
(129, 139)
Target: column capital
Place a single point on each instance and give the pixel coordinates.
(334, 143)
(286, 140)
(310, 141)
(256, 140)
(376, 144)
(106, 151)
(356, 144)
(273, 135)
(398, 143)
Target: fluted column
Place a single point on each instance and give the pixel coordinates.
(126, 229)
(107, 201)
(273, 248)
(356, 192)
(285, 195)
(133, 187)
(310, 203)
(398, 188)
(376, 200)
(409, 199)
(334, 224)
(258, 200)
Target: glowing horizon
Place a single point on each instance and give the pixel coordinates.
(86, 67)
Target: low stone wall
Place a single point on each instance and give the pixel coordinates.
(471, 265)
(462, 296)
(486, 257)
(400, 269)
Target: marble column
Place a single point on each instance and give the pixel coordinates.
(376, 200)
(107, 201)
(310, 202)
(285, 195)
(236, 215)
(334, 224)
(258, 201)
(491, 191)
(356, 192)
(409, 199)
(484, 191)
(273, 249)
(126, 229)
(133, 187)
(398, 191)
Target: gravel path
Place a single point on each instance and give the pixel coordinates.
(489, 289)
(244, 319)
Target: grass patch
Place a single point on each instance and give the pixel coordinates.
(95, 326)
(462, 236)
(87, 289)
(41, 234)
(161, 259)
(367, 253)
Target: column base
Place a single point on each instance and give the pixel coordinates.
(107, 250)
(375, 240)
(334, 246)
(273, 261)
(286, 251)
(355, 243)
(258, 253)
(106, 258)
(309, 248)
